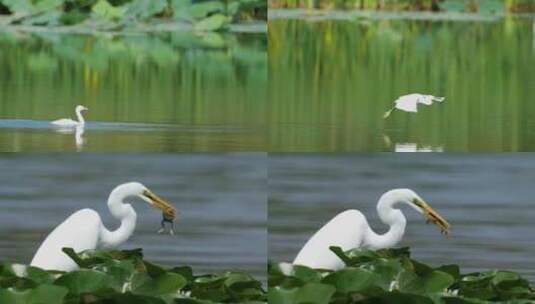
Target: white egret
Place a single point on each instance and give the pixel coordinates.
(84, 229)
(409, 103)
(350, 229)
(67, 122)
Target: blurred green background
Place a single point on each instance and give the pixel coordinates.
(178, 91)
(472, 6)
(119, 15)
(331, 80)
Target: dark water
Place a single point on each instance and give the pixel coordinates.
(220, 197)
(487, 198)
(331, 80)
(182, 91)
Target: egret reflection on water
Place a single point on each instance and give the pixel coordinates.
(409, 103)
(350, 229)
(68, 122)
(84, 229)
(78, 131)
(410, 146)
(413, 147)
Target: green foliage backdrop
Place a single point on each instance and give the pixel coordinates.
(205, 15)
(481, 6)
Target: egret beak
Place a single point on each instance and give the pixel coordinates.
(168, 210)
(433, 217)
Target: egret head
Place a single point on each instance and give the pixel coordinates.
(80, 108)
(139, 190)
(415, 201)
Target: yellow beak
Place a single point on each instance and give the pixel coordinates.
(433, 217)
(168, 210)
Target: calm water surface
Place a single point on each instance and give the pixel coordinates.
(331, 80)
(221, 201)
(159, 92)
(488, 200)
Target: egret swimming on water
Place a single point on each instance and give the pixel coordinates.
(350, 229)
(67, 122)
(409, 103)
(84, 229)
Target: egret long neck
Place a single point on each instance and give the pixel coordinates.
(79, 116)
(123, 212)
(392, 217)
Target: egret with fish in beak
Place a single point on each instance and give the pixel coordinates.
(84, 229)
(350, 229)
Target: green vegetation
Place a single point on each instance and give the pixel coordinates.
(472, 6)
(198, 80)
(123, 277)
(115, 15)
(391, 276)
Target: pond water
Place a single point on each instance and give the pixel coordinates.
(487, 198)
(222, 211)
(333, 75)
(175, 91)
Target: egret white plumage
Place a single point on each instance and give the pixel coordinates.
(84, 229)
(350, 229)
(409, 103)
(67, 122)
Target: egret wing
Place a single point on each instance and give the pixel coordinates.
(426, 100)
(407, 103)
(79, 231)
(429, 99)
(346, 230)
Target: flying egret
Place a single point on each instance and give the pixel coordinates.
(84, 229)
(350, 229)
(410, 102)
(67, 122)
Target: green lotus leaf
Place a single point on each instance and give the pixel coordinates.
(212, 23)
(185, 271)
(103, 9)
(132, 299)
(432, 282)
(19, 6)
(42, 294)
(281, 295)
(314, 293)
(204, 9)
(398, 298)
(144, 9)
(168, 283)
(85, 281)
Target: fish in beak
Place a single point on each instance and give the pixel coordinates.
(433, 217)
(168, 211)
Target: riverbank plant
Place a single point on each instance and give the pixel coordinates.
(392, 276)
(468, 6)
(124, 277)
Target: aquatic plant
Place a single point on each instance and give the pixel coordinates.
(116, 15)
(392, 276)
(124, 277)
